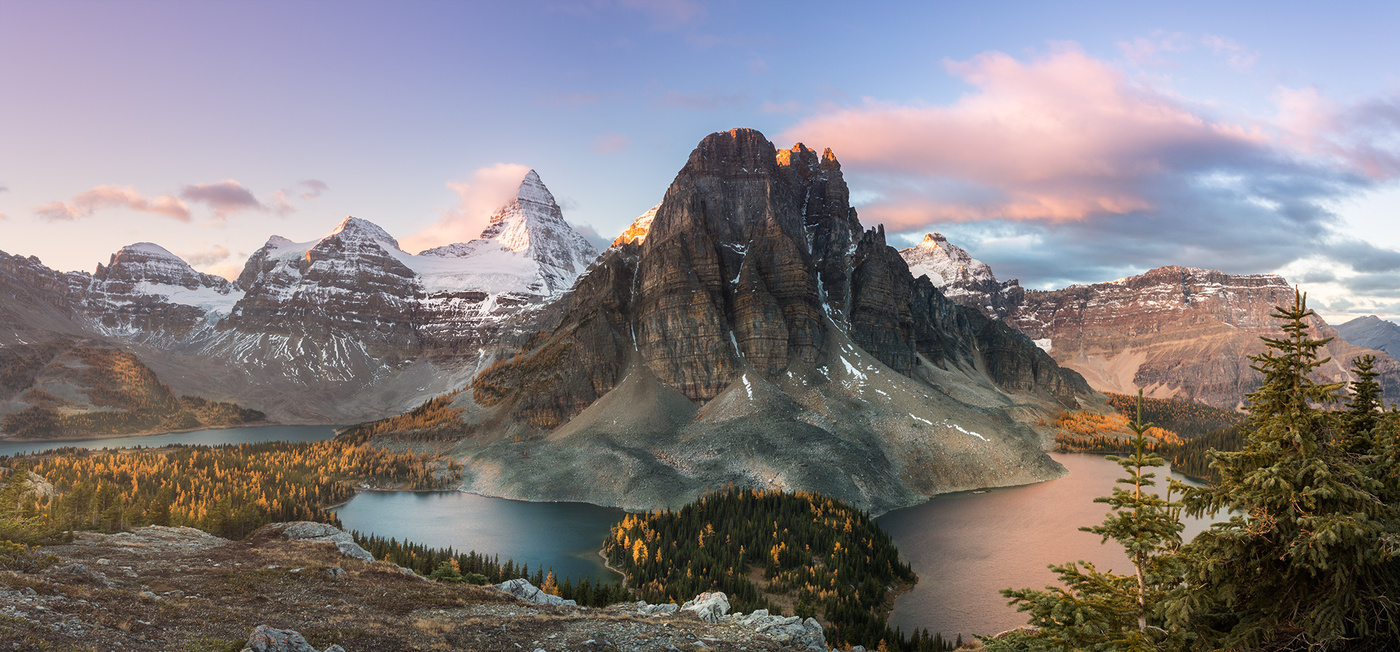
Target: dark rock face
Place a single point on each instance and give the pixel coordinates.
(752, 260)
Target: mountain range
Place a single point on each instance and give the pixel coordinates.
(1176, 332)
(748, 329)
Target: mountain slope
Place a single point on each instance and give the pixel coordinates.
(758, 335)
(1372, 332)
(1177, 332)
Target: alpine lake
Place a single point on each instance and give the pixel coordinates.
(964, 547)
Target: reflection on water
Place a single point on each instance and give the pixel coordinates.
(215, 437)
(966, 547)
(564, 536)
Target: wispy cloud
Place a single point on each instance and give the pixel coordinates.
(666, 15)
(206, 255)
(1238, 56)
(101, 198)
(708, 100)
(308, 189)
(477, 198)
(611, 143)
(224, 197)
(1150, 50)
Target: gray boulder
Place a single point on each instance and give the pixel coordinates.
(523, 589)
(311, 531)
(267, 639)
(711, 607)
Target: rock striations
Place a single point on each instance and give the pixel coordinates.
(758, 335)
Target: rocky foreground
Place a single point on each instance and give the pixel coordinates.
(306, 587)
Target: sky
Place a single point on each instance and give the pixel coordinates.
(1069, 142)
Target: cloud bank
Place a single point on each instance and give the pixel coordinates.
(100, 198)
(1065, 168)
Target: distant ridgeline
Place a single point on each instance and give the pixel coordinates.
(802, 551)
(93, 390)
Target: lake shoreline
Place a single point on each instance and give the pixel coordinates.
(152, 433)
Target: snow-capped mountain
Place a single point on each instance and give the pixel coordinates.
(146, 291)
(961, 277)
(344, 327)
(527, 249)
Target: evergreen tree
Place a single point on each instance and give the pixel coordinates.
(1307, 559)
(1098, 610)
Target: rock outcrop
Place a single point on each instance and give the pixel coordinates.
(759, 335)
(267, 639)
(710, 607)
(523, 589)
(319, 532)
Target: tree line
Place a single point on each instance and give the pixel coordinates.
(831, 559)
(224, 490)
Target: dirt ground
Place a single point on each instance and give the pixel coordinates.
(181, 589)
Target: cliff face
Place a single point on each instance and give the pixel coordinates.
(756, 301)
(1176, 332)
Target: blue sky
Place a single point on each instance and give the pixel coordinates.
(1061, 143)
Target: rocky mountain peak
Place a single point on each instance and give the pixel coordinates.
(154, 265)
(961, 277)
(638, 231)
(363, 232)
(531, 227)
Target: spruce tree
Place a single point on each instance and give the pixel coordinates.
(1306, 560)
(1097, 610)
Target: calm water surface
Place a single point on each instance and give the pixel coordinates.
(963, 546)
(249, 435)
(565, 536)
(967, 546)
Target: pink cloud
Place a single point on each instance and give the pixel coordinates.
(611, 143)
(206, 255)
(281, 204)
(1238, 56)
(99, 198)
(1062, 137)
(1360, 138)
(224, 197)
(488, 189)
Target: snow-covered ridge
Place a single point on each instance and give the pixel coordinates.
(946, 264)
(145, 271)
